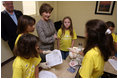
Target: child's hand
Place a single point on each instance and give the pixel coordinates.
(44, 65)
(81, 53)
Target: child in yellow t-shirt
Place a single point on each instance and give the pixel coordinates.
(66, 36)
(27, 58)
(25, 25)
(98, 49)
(111, 26)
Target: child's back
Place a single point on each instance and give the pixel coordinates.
(27, 52)
(25, 66)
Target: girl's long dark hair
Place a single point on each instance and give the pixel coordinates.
(70, 28)
(23, 22)
(26, 46)
(96, 36)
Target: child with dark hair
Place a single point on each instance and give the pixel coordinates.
(98, 49)
(66, 36)
(25, 25)
(111, 26)
(27, 58)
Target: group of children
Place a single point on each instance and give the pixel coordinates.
(96, 52)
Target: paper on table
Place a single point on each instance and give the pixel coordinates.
(54, 58)
(113, 63)
(46, 74)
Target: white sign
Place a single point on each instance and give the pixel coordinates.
(54, 58)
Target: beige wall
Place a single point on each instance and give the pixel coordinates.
(81, 12)
(18, 5)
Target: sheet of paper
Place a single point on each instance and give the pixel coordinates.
(54, 58)
(113, 63)
(46, 74)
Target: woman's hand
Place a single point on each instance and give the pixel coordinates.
(55, 36)
(46, 52)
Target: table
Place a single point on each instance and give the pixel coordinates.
(61, 70)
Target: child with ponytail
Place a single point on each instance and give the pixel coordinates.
(98, 49)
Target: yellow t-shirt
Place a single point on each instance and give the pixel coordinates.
(66, 40)
(25, 68)
(114, 37)
(17, 39)
(92, 64)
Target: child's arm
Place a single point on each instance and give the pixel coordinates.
(58, 42)
(37, 71)
(72, 43)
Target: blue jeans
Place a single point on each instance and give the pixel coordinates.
(64, 54)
